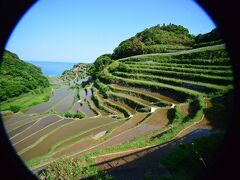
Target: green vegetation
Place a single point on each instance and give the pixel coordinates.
(119, 108)
(130, 101)
(173, 92)
(183, 75)
(98, 102)
(175, 89)
(73, 169)
(188, 160)
(19, 77)
(98, 66)
(26, 100)
(185, 69)
(15, 108)
(157, 39)
(156, 65)
(78, 72)
(142, 95)
(103, 89)
(68, 114)
(165, 38)
(197, 86)
(208, 39)
(167, 133)
(79, 115)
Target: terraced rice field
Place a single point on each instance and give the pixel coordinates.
(84, 107)
(56, 98)
(36, 127)
(139, 125)
(145, 94)
(157, 84)
(62, 133)
(81, 142)
(66, 102)
(21, 121)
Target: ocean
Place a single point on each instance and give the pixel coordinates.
(52, 68)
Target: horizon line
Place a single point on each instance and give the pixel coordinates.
(58, 61)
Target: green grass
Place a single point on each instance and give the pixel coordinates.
(174, 92)
(185, 69)
(73, 169)
(102, 88)
(119, 108)
(131, 101)
(27, 100)
(156, 64)
(197, 86)
(220, 80)
(178, 124)
(210, 52)
(142, 95)
(162, 59)
(64, 144)
(99, 102)
(188, 160)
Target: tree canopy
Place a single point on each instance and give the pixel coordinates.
(18, 77)
(155, 39)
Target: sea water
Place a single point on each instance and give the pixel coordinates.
(53, 68)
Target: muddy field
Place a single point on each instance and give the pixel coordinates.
(57, 96)
(71, 129)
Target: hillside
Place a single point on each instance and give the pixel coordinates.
(182, 77)
(19, 77)
(129, 111)
(165, 38)
(156, 99)
(77, 72)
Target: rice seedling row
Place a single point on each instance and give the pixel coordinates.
(30, 140)
(79, 145)
(144, 91)
(183, 75)
(65, 132)
(185, 69)
(197, 86)
(36, 127)
(174, 92)
(156, 64)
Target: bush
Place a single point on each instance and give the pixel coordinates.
(79, 115)
(68, 114)
(46, 98)
(15, 108)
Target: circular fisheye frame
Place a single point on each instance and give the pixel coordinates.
(103, 90)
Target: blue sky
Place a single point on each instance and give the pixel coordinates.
(82, 30)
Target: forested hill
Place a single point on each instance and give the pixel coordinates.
(165, 38)
(77, 72)
(18, 77)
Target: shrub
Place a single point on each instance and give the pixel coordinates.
(46, 98)
(68, 114)
(79, 115)
(15, 108)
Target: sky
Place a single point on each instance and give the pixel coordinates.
(82, 30)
